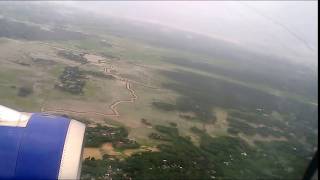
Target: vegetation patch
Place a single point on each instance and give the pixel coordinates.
(71, 80)
(200, 93)
(43, 61)
(164, 106)
(302, 124)
(216, 158)
(158, 136)
(77, 57)
(203, 113)
(145, 122)
(268, 160)
(25, 91)
(237, 125)
(118, 136)
(173, 124)
(102, 169)
(22, 63)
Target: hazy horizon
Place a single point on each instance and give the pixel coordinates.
(287, 29)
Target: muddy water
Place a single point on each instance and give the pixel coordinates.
(92, 152)
(107, 148)
(93, 58)
(97, 153)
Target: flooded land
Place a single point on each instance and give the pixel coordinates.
(160, 102)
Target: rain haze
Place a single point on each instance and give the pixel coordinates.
(285, 28)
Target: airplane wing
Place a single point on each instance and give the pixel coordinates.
(39, 146)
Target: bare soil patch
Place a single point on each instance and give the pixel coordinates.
(91, 153)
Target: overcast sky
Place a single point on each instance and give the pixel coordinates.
(286, 28)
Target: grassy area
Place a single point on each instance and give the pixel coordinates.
(11, 80)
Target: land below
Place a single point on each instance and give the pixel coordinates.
(158, 105)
